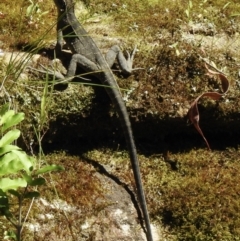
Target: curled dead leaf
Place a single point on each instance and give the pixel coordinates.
(193, 113)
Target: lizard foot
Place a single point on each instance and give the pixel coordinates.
(129, 61)
(124, 63)
(60, 82)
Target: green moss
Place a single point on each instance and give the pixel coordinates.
(20, 26)
(199, 201)
(196, 199)
(78, 184)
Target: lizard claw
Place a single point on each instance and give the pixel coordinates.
(129, 62)
(56, 75)
(61, 82)
(133, 52)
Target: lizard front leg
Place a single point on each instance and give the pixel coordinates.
(124, 63)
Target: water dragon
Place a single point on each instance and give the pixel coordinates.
(88, 57)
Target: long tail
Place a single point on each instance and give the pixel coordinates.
(136, 171)
(126, 125)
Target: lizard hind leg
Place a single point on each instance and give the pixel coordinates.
(124, 63)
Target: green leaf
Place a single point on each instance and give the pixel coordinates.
(31, 195)
(50, 168)
(14, 192)
(226, 5)
(4, 205)
(7, 183)
(10, 235)
(2, 193)
(27, 178)
(235, 15)
(43, 113)
(15, 161)
(30, 9)
(7, 164)
(44, 13)
(4, 201)
(13, 120)
(190, 4)
(27, 161)
(8, 148)
(8, 214)
(9, 137)
(6, 115)
(37, 182)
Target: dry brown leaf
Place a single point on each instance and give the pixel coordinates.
(193, 113)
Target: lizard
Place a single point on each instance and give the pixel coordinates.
(88, 57)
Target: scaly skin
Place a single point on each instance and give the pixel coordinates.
(88, 56)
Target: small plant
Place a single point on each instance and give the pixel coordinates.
(34, 13)
(19, 173)
(189, 9)
(175, 46)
